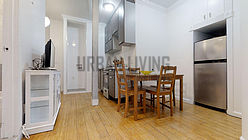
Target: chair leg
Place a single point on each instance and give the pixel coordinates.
(174, 97)
(171, 106)
(141, 99)
(153, 100)
(163, 101)
(144, 102)
(126, 107)
(158, 107)
(119, 102)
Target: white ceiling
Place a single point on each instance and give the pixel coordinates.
(82, 8)
(76, 8)
(164, 3)
(105, 15)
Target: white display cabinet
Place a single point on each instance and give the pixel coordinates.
(42, 100)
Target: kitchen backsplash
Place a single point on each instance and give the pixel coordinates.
(128, 53)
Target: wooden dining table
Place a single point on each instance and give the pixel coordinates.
(153, 77)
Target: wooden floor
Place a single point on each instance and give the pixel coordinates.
(78, 120)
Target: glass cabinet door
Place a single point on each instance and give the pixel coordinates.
(39, 111)
(39, 98)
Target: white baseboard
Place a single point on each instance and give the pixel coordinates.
(39, 129)
(19, 137)
(46, 127)
(242, 138)
(95, 102)
(186, 100)
(77, 92)
(234, 113)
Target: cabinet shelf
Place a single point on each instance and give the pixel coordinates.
(39, 89)
(39, 92)
(35, 99)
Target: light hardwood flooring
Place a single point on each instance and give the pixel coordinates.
(78, 120)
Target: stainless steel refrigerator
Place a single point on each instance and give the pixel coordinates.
(210, 72)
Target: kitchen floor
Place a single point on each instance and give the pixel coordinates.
(78, 120)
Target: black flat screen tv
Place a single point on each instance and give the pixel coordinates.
(49, 56)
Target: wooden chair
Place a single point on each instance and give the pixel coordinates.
(135, 71)
(123, 88)
(165, 86)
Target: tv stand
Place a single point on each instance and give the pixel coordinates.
(42, 100)
(48, 69)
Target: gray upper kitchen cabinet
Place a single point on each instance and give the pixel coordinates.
(127, 22)
(120, 30)
(115, 23)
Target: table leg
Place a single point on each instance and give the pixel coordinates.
(174, 96)
(181, 94)
(135, 99)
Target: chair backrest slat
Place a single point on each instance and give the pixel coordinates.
(167, 77)
(121, 79)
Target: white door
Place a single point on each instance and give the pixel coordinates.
(215, 8)
(76, 51)
(72, 50)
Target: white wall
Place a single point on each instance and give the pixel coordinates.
(180, 19)
(1, 28)
(151, 31)
(237, 65)
(168, 32)
(56, 34)
(160, 32)
(244, 50)
(180, 42)
(77, 36)
(101, 42)
(47, 36)
(1, 42)
(31, 45)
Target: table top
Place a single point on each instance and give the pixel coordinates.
(148, 77)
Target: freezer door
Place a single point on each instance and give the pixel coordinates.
(210, 84)
(212, 49)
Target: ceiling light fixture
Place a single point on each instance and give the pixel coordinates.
(108, 7)
(74, 44)
(47, 21)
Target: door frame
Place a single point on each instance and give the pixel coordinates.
(12, 76)
(88, 23)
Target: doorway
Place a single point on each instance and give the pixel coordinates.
(76, 53)
(77, 49)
